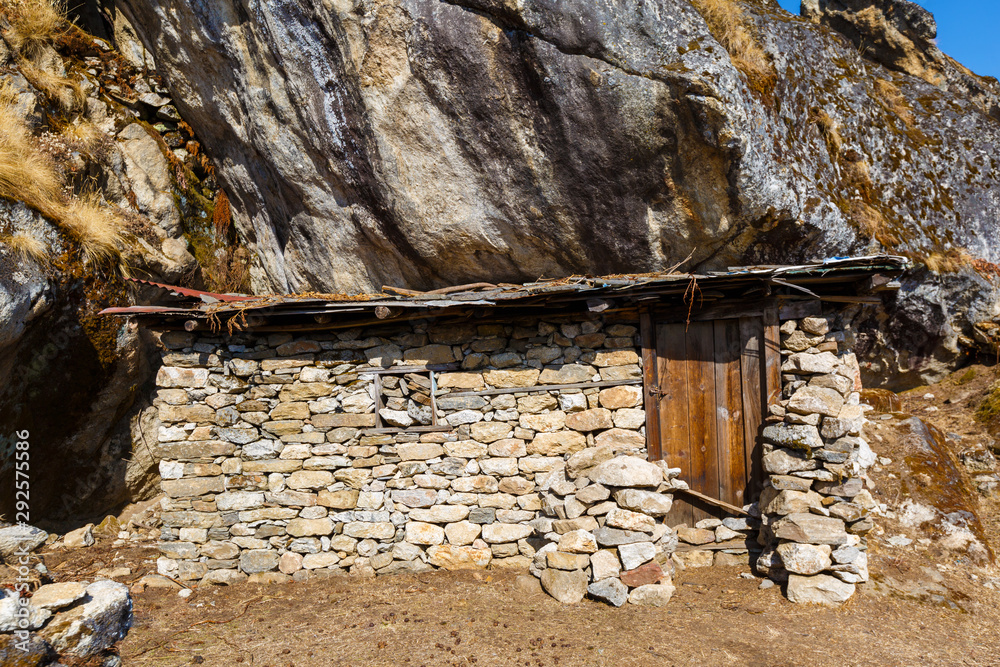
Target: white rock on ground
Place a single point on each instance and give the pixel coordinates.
(224, 577)
(14, 538)
(102, 620)
(79, 538)
(818, 589)
(35, 617)
(57, 596)
(610, 590)
(651, 595)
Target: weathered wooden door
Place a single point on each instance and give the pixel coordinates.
(711, 380)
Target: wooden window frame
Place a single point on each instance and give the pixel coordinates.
(431, 369)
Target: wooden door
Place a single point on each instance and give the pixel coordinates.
(710, 379)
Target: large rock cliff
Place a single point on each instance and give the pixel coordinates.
(424, 143)
(902, 36)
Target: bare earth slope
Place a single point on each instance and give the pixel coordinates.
(461, 619)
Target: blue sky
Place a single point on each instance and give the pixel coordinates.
(967, 31)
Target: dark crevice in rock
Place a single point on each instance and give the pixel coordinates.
(512, 22)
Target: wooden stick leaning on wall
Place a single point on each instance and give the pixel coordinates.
(713, 501)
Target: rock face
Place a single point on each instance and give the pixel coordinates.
(522, 130)
(54, 349)
(901, 35)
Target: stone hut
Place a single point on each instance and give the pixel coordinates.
(598, 432)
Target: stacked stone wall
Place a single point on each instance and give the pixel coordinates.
(815, 506)
(274, 466)
(271, 470)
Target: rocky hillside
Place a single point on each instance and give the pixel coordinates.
(423, 143)
(100, 179)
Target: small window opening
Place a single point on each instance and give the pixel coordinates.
(405, 399)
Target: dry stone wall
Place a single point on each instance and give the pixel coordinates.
(607, 538)
(271, 469)
(815, 505)
(280, 460)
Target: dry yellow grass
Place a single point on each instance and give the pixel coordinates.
(85, 136)
(230, 272)
(28, 175)
(25, 245)
(828, 130)
(33, 24)
(728, 23)
(856, 173)
(95, 226)
(894, 101)
(949, 261)
(868, 220)
(62, 90)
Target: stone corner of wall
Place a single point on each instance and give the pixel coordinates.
(814, 507)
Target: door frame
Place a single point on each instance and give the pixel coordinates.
(770, 312)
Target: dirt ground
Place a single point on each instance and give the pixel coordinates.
(486, 618)
(466, 618)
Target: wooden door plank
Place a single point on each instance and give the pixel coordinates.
(770, 391)
(671, 372)
(650, 386)
(727, 310)
(729, 413)
(704, 475)
(731, 509)
(751, 365)
(378, 400)
(723, 417)
(772, 358)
